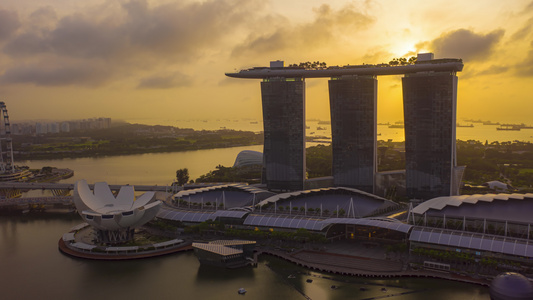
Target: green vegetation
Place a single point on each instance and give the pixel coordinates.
(182, 176)
(249, 174)
(128, 139)
(309, 65)
(402, 61)
(509, 162)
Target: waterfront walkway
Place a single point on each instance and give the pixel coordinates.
(335, 260)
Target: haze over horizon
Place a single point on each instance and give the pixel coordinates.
(139, 59)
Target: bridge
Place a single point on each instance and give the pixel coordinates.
(70, 186)
(36, 201)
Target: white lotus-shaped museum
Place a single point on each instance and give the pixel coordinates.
(114, 217)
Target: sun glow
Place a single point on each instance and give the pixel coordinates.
(405, 49)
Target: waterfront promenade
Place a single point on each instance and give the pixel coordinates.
(346, 258)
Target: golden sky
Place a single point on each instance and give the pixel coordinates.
(138, 59)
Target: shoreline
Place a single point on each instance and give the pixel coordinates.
(347, 271)
(339, 264)
(63, 248)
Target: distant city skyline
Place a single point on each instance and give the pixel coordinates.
(142, 59)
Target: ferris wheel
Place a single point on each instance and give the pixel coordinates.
(8, 165)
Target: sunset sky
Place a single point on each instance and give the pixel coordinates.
(148, 60)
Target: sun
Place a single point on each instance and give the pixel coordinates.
(405, 49)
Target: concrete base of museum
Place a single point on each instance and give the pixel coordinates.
(103, 256)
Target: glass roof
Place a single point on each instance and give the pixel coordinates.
(283, 221)
(185, 216)
(484, 242)
(369, 222)
(230, 213)
(195, 216)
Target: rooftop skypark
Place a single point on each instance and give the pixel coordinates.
(277, 69)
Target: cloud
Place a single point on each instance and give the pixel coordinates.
(129, 38)
(9, 23)
(465, 44)
(321, 31)
(522, 32)
(165, 81)
(491, 70)
(525, 68)
(57, 75)
(528, 8)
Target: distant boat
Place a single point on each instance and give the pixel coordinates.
(490, 123)
(241, 291)
(254, 122)
(460, 125)
(396, 126)
(473, 121)
(513, 127)
(508, 128)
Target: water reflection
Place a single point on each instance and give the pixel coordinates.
(31, 264)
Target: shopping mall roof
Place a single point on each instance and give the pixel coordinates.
(330, 190)
(231, 186)
(355, 202)
(295, 222)
(505, 207)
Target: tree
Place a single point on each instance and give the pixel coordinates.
(47, 170)
(182, 176)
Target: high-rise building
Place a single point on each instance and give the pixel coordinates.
(284, 130)
(430, 96)
(353, 131)
(430, 100)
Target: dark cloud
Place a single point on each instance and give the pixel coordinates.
(470, 72)
(130, 37)
(9, 23)
(165, 81)
(57, 75)
(320, 31)
(494, 70)
(465, 44)
(44, 17)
